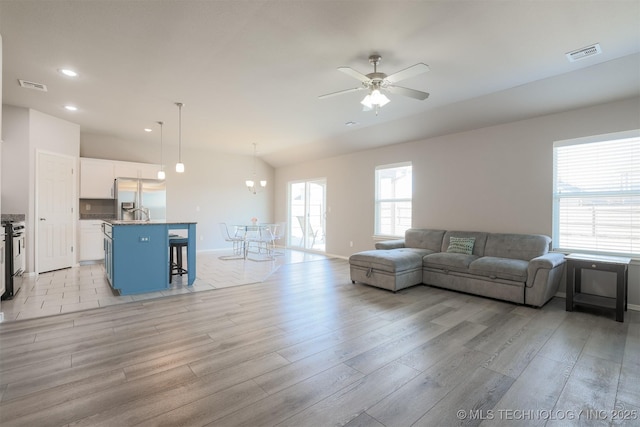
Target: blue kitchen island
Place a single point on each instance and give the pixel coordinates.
(137, 254)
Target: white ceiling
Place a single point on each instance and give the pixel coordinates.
(251, 71)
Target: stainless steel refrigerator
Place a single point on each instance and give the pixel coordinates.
(135, 198)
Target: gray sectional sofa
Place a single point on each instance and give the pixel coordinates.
(511, 267)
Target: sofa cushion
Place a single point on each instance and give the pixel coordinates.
(516, 246)
(424, 239)
(478, 247)
(449, 261)
(500, 268)
(393, 260)
(461, 245)
(390, 244)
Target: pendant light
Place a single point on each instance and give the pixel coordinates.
(251, 183)
(179, 165)
(161, 174)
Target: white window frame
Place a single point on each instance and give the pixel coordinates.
(599, 242)
(379, 201)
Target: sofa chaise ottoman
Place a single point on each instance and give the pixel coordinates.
(396, 264)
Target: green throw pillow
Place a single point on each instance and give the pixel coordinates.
(461, 245)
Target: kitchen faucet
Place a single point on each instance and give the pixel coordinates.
(143, 210)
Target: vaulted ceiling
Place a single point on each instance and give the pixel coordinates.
(251, 71)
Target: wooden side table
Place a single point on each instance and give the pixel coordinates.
(618, 265)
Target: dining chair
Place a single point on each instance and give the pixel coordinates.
(262, 239)
(237, 241)
(278, 236)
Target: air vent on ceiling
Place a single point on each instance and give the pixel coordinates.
(33, 85)
(585, 52)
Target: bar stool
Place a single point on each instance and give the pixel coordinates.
(176, 243)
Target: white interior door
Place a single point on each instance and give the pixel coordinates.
(307, 214)
(55, 201)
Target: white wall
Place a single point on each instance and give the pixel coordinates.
(210, 191)
(496, 179)
(25, 132)
(15, 160)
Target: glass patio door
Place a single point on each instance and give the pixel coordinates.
(307, 212)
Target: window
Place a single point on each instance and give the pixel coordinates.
(596, 194)
(393, 199)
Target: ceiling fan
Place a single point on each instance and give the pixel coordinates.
(374, 82)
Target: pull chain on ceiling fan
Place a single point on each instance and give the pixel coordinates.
(376, 81)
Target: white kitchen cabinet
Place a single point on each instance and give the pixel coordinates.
(97, 175)
(148, 171)
(136, 170)
(91, 240)
(126, 169)
(96, 179)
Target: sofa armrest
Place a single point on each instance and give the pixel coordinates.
(543, 278)
(390, 244)
(548, 261)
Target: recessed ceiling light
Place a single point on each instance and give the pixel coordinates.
(68, 72)
(147, 130)
(71, 108)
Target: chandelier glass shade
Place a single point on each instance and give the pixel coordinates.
(375, 99)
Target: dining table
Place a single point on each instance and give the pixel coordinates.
(260, 233)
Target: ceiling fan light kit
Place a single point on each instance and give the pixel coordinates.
(375, 82)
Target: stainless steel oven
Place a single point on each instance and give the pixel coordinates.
(15, 258)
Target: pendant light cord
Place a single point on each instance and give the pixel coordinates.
(161, 148)
(179, 104)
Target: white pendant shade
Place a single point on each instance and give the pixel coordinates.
(179, 165)
(161, 174)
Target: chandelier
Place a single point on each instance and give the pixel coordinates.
(253, 185)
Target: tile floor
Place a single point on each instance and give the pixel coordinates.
(86, 287)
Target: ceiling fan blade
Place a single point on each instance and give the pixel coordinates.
(355, 74)
(412, 93)
(414, 70)
(340, 92)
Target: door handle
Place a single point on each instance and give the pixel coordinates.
(43, 219)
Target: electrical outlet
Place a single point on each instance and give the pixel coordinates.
(88, 207)
(351, 244)
(144, 239)
(201, 238)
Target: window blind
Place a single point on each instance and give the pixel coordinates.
(596, 195)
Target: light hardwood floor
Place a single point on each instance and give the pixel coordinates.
(309, 348)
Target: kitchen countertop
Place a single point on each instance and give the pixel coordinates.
(13, 217)
(97, 217)
(152, 222)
